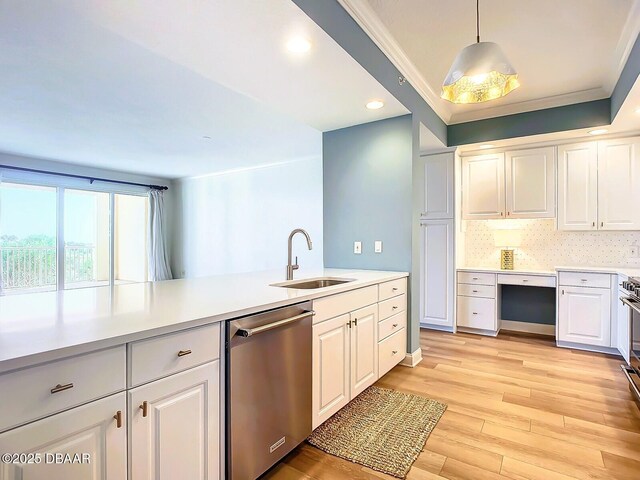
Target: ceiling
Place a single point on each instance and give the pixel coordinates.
(565, 52)
(138, 86)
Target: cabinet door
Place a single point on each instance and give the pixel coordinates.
(483, 186)
(364, 349)
(436, 176)
(585, 315)
(478, 313)
(623, 337)
(619, 184)
(90, 429)
(330, 371)
(179, 435)
(436, 273)
(578, 186)
(531, 183)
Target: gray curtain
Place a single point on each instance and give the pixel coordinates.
(159, 268)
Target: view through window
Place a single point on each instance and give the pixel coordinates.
(31, 230)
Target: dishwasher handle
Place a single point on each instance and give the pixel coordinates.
(248, 332)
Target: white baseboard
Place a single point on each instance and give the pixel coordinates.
(478, 331)
(588, 348)
(431, 326)
(538, 328)
(412, 359)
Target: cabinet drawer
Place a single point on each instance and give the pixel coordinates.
(334, 305)
(391, 351)
(475, 278)
(27, 393)
(160, 356)
(392, 325)
(477, 313)
(392, 288)
(392, 306)
(526, 280)
(583, 279)
(486, 291)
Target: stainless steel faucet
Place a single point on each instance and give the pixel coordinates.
(295, 266)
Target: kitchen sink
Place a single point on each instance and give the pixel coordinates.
(312, 283)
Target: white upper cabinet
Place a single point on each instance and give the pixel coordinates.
(619, 184)
(483, 187)
(531, 183)
(578, 186)
(436, 174)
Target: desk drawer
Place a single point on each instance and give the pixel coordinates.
(477, 313)
(391, 351)
(583, 279)
(392, 306)
(486, 291)
(160, 356)
(526, 280)
(392, 288)
(391, 325)
(36, 392)
(475, 278)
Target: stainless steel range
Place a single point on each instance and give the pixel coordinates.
(631, 287)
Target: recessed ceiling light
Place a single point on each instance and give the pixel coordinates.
(598, 131)
(375, 104)
(484, 147)
(298, 45)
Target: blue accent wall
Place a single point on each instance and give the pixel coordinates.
(367, 194)
(627, 79)
(528, 304)
(557, 119)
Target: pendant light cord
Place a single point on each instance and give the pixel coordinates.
(478, 21)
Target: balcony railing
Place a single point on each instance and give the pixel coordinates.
(35, 267)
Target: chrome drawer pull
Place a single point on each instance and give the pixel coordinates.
(394, 352)
(118, 417)
(395, 325)
(394, 289)
(61, 388)
(583, 280)
(182, 353)
(525, 280)
(394, 307)
(475, 291)
(475, 278)
(475, 313)
(145, 408)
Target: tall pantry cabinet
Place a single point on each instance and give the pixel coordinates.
(436, 174)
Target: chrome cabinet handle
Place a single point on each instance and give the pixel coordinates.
(475, 278)
(593, 224)
(61, 388)
(118, 417)
(525, 280)
(602, 224)
(395, 307)
(475, 313)
(474, 291)
(349, 324)
(145, 408)
(355, 322)
(182, 353)
(395, 325)
(394, 289)
(584, 280)
(394, 352)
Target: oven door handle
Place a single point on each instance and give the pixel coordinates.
(634, 305)
(632, 384)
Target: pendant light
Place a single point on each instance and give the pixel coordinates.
(480, 72)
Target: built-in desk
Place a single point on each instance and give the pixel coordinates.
(492, 299)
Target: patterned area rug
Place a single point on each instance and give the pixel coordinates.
(381, 429)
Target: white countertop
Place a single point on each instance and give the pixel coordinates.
(41, 326)
(628, 271)
(549, 273)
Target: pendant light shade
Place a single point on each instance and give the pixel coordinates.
(480, 72)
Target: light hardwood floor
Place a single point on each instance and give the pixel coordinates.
(518, 408)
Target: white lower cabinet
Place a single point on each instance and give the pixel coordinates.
(95, 432)
(584, 315)
(364, 349)
(478, 313)
(331, 368)
(345, 360)
(173, 425)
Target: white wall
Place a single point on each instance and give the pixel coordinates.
(239, 221)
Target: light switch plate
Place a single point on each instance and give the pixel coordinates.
(357, 247)
(377, 246)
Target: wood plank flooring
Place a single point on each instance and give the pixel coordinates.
(519, 409)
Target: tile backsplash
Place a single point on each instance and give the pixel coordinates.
(543, 247)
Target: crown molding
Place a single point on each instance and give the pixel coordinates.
(627, 39)
(369, 21)
(529, 105)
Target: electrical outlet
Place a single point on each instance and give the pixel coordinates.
(357, 248)
(377, 246)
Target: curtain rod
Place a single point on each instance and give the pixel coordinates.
(84, 177)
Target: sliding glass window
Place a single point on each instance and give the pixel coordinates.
(104, 234)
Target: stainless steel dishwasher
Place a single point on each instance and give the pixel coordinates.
(268, 388)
